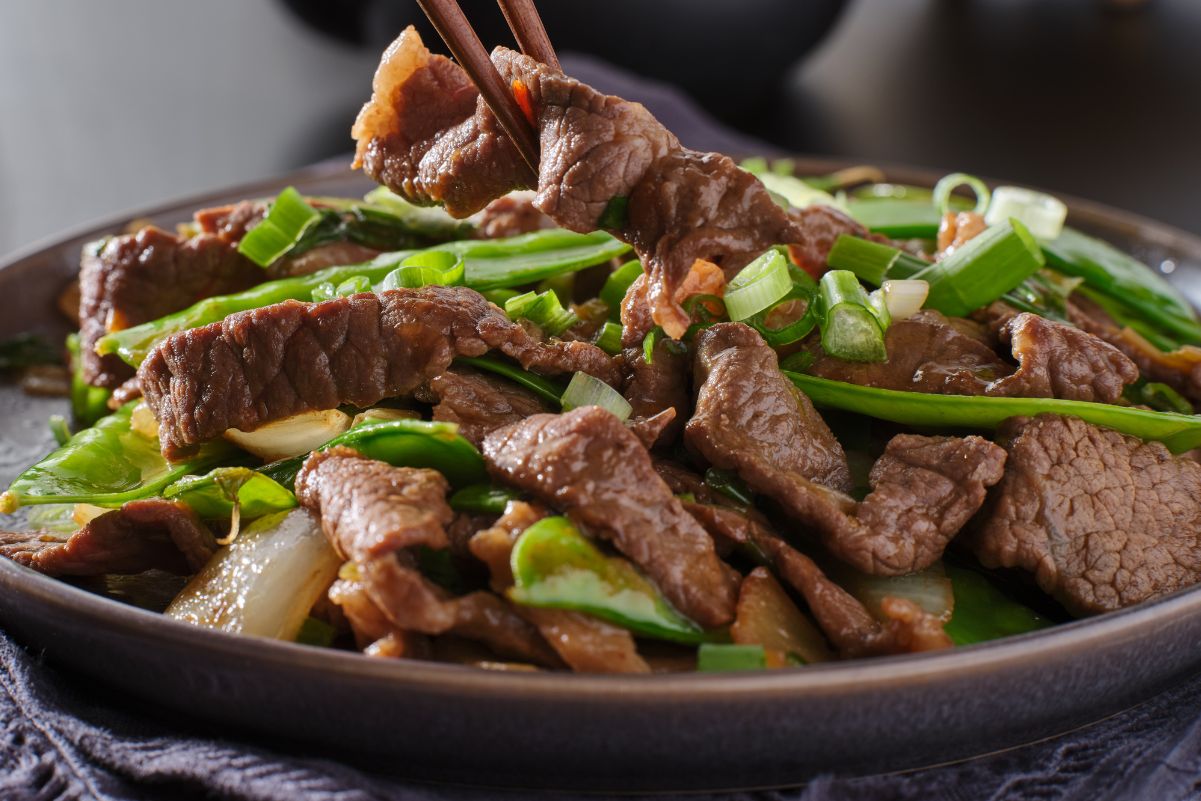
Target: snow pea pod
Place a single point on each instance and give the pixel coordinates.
(982, 612)
(1179, 432)
(214, 495)
(403, 443)
(107, 465)
(488, 264)
(555, 566)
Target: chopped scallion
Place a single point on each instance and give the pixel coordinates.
(427, 268)
(617, 284)
(852, 323)
(286, 222)
(1041, 213)
(724, 657)
(758, 286)
(586, 390)
(983, 270)
(543, 309)
(949, 183)
(609, 338)
(873, 262)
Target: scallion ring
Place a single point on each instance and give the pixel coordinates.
(1043, 214)
(586, 390)
(760, 284)
(949, 183)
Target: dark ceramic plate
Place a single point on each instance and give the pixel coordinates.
(671, 732)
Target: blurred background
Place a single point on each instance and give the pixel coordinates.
(108, 106)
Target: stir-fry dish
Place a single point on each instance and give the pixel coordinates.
(640, 409)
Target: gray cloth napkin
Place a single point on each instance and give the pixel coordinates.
(63, 737)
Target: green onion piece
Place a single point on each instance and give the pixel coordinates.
(897, 218)
(983, 270)
(797, 193)
(59, 429)
(483, 499)
(1179, 432)
(758, 285)
(325, 291)
(545, 388)
(948, 184)
(609, 338)
(617, 284)
(88, 403)
(586, 390)
(648, 344)
(427, 268)
(431, 222)
(873, 262)
(555, 566)
(729, 484)
(852, 324)
(351, 286)
(543, 309)
(286, 222)
(615, 215)
(724, 657)
(1043, 214)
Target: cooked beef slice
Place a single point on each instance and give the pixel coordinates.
(270, 363)
(929, 353)
(750, 418)
(1059, 361)
(374, 633)
(427, 135)
(588, 465)
(375, 515)
(478, 402)
(1179, 369)
(140, 277)
(842, 618)
(585, 643)
(511, 215)
(140, 536)
(369, 508)
(1102, 520)
(655, 387)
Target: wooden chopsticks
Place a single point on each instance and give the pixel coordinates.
(529, 31)
(451, 24)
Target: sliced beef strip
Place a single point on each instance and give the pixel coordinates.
(929, 353)
(750, 418)
(1179, 369)
(654, 388)
(590, 466)
(270, 363)
(374, 633)
(1102, 520)
(140, 277)
(426, 135)
(585, 643)
(375, 515)
(848, 625)
(369, 508)
(478, 402)
(140, 536)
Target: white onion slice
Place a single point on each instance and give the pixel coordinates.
(291, 436)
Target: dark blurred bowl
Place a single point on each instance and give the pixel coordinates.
(730, 56)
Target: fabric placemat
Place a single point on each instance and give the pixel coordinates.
(63, 737)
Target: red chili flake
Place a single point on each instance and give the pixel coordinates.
(521, 93)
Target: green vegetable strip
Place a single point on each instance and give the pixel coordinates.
(983, 270)
(106, 465)
(758, 286)
(214, 495)
(852, 326)
(873, 262)
(898, 218)
(1126, 280)
(1178, 432)
(483, 499)
(725, 657)
(286, 222)
(428, 268)
(982, 612)
(617, 284)
(609, 338)
(488, 264)
(402, 443)
(555, 566)
(88, 403)
(545, 388)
